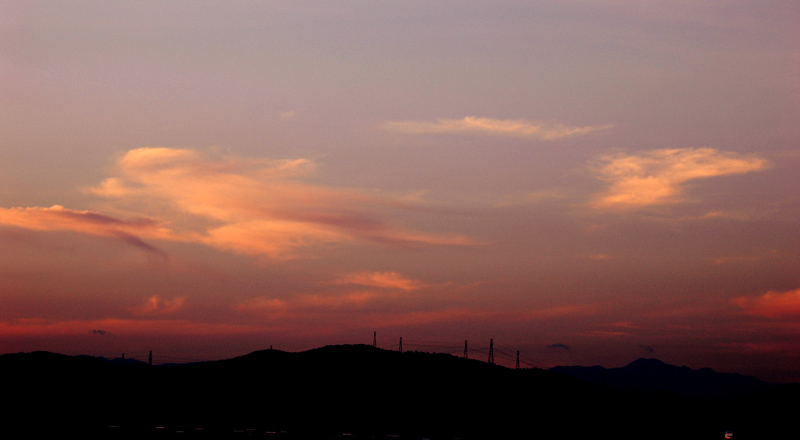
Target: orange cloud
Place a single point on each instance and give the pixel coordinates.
(772, 304)
(658, 177)
(489, 126)
(307, 303)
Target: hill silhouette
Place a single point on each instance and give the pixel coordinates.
(655, 375)
(364, 391)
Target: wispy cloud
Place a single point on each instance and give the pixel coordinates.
(659, 177)
(309, 306)
(498, 127)
(361, 288)
(383, 280)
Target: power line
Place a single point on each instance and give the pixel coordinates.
(493, 353)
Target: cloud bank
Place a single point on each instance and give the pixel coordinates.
(246, 206)
(258, 206)
(772, 304)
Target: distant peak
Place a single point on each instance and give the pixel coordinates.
(647, 361)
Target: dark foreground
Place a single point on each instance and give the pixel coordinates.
(356, 392)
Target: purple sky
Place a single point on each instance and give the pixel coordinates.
(586, 181)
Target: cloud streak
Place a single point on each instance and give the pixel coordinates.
(659, 177)
(545, 131)
(58, 218)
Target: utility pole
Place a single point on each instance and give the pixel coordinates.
(374, 339)
(466, 356)
(491, 351)
(401, 344)
(122, 362)
(517, 359)
(150, 359)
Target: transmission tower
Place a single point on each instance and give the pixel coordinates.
(491, 351)
(466, 356)
(150, 358)
(517, 359)
(401, 344)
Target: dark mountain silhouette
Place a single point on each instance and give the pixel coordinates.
(655, 375)
(361, 390)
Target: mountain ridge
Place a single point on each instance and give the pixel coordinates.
(649, 374)
(357, 389)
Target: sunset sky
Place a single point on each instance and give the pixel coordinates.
(585, 181)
